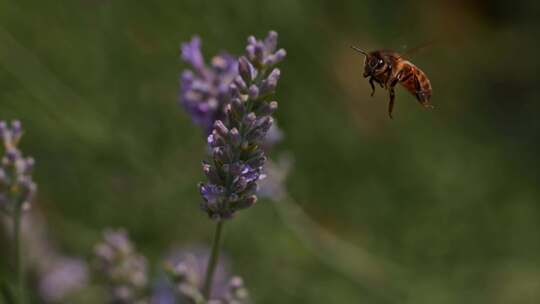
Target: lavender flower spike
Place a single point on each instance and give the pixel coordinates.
(16, 185)
(235, 141)
(123, 269)
(186, 269)
(204, 90)
(16, 191)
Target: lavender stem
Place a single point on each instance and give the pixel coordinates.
(212, 260)
(17, 254)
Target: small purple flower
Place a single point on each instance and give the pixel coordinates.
(16, 185)
(204, 90)
(237, 139)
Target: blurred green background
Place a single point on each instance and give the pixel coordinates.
(448, 197)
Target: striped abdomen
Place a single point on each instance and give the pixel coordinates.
(416, 82)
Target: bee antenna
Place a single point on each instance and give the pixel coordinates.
(358, 50)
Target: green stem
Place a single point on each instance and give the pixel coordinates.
(17, 254)
(212, 261)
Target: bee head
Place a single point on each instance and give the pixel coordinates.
(373, 64)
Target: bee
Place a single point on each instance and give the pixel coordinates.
(388, 68)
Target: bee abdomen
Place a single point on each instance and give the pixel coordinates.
(418, 85)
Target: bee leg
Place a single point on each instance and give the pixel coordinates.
(391, 104)
(372, 85)
(394, 81)
(388, 83)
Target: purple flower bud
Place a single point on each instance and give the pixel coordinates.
(16, 128)
(235, 137)
(104, 252)
(26, 183)
(206, 167)
(220, 128)
(238, 107)
(240, 184)
(211, 140)
(219, 154)
(234, 91)
(276, 58)
(280, 55)
(12, 154)
(187, 78)
(271, 41)
(250, 119)
(273, 105)
(215, 140)
(259, 129)
(212, 194)
(236, 282)
(269, 84)
(268, 108)
(245, 69)
(118, 240)
(30, 163)
(24, 166)
(250, 52)
(253, 92)
(211, 173)
(251, 40)
(250, 174)
(237, 292)
(240, 83)
(259, 52)
(274, 76)
(265, 123)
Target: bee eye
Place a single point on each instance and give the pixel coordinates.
(380, 61)
(374, 63)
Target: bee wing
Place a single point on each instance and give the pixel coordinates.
(415, 50)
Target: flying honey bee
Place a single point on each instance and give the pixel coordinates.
(388, 68)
